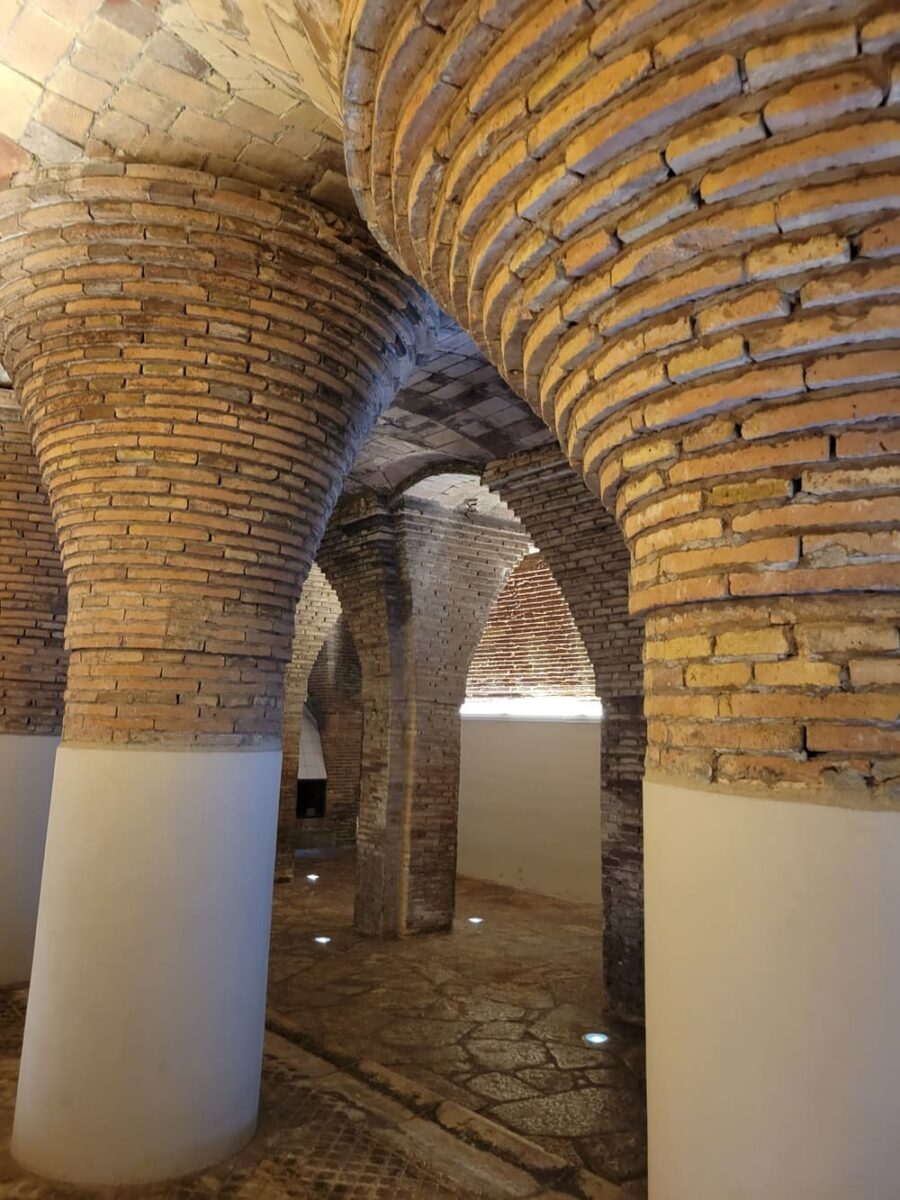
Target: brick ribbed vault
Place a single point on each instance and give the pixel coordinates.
(673, 227)
(199, 362)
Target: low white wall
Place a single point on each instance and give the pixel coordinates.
(529, 805)
(773, 993)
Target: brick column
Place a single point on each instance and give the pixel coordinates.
(674, 227)
(583, 548)
(416, 583)
(198, 362)
(335, 697)
(317, 611)
(32, 680)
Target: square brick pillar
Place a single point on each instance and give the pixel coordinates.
(416, 583)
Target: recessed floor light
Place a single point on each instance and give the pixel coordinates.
(475, 920)
(322, 941)
(312, 878)
(595, 1039)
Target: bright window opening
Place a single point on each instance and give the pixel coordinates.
(534, 708)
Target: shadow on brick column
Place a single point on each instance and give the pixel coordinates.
(198, 362)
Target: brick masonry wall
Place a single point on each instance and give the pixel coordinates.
(199, 361)
(335, 697)
(32, 591)
(416, 583)
(675, 229)
(585, 551)
(317, 611)
(530, 645)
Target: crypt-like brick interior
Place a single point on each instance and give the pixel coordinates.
(361, 356)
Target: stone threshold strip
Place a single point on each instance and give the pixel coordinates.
(439, 1128)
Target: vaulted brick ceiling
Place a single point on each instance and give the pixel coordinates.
(247, 90)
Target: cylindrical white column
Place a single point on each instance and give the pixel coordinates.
(144, 1031)
(26, 775)
(773, 993)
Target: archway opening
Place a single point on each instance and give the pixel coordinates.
(529, 798)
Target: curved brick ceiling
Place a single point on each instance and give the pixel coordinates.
(234, 89)
(245, 89)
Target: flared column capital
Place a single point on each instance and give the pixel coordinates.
(199, 362)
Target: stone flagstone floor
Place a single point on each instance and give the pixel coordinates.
(490, 1015)
(373, 1047)
(322, 1135)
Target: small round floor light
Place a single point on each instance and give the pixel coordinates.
(322, 941)
(475, 920)
(313, 878)
(595, 1039)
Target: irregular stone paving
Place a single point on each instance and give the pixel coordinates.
(322, 1136)
(490, 1016)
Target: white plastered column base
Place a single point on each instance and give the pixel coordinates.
(26, 776)
(773, 998)
(144, 1030)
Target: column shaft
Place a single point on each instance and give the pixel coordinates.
(335, 696)
(199, 362)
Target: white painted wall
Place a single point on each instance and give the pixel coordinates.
(773, 998)
(529, 805)
(26, 775)
(144, 1030)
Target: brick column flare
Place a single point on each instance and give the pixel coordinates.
(675, 232)
(198, 362)
(32, 680)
